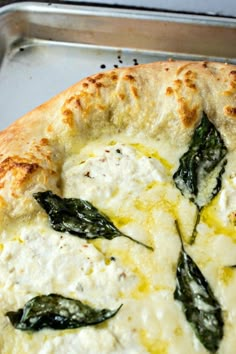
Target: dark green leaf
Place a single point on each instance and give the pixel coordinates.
(78, 217)
(200, 306)
(194, 232)
(201, 167)
(57, 312)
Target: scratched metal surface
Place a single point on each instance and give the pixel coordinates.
(45, 48)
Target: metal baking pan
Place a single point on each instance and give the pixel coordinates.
(44, 48)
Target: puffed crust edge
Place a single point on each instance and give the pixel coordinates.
(162, 99)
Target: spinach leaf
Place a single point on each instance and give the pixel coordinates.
(201, 167)
(57, 312)
(79, 217)
(200, 306)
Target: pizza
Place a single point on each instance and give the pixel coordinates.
(118, 215)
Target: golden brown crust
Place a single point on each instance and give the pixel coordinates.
(164, 98)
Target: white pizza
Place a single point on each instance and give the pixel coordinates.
(118, 216)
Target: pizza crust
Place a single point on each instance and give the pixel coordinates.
(160, 99)
(162, 102)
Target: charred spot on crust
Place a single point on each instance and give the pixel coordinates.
(114, 77)
(181, 68)
(232, 76)
(67, 113)
(69, 100)
(190, 84)
(67, 117)
(134, 91)
(99, 85)
(78, 102)
(178, 83)
(188, 115)
(232, 84)
(169, 91)
(101, 107)
(44, 141)
(129, 77)
(99, 76)
(121, 96)
(230, 111)
(20, 167)
(190, 75)
(92, 80)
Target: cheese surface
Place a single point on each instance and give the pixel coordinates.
(130, 180)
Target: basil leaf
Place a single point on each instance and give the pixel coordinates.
(200, 306)
(201, 167)
(57, 312)
(78, 217)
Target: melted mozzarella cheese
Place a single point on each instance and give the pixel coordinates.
(132, 184)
